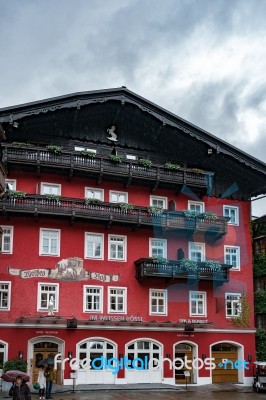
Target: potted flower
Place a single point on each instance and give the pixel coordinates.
(87, 153)
(53, 198)
(144, 162)
(172, 166)
(90, 200)
(214, 265)
(191, 214)
(208, 215)
(115, 158)
(54, 148)
(125, 207)
(154, 210)
(16, 194)
(189, 265)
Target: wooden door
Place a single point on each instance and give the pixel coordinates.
(41, 351)
(227, 374)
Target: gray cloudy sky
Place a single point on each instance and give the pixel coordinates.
(203, 60)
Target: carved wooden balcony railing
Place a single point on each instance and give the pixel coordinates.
(102, 167)
(173, 269)
(2, 179)
(111, 213)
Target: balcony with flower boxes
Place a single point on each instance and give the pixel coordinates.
(109, 213)
(99, 167)
(185, 269)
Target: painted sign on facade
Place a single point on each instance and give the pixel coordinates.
(68, 269)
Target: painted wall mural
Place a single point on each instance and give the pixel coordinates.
(68, 269)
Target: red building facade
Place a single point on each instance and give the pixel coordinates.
(125, 235)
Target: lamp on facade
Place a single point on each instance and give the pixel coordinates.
(168, 355)
(249, 357)
(203, 357)
(69, 354)
(20, 355)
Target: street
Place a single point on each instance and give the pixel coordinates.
(164, 395)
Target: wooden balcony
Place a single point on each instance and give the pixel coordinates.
(102, 168)
(110, 213)
(173, 270)
(2, 179)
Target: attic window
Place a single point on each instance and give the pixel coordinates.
(91, 150)
(131, 157)
(78, 148)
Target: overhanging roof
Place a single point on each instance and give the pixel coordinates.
(163, 117)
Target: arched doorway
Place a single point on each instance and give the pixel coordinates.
(184, 351)
(94, 372)
(222, 352)
(144, 350)
(41, 348)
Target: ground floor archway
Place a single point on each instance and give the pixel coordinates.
(184, 351)
(222, 352)
(41, 348)
(145, 352)
(89, 352)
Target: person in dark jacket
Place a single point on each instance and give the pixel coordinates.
(20, 390)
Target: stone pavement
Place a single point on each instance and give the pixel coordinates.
(119, 391)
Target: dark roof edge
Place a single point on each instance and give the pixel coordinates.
(167, 117)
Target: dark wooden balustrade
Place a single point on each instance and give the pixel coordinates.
(111, 213)
(101, 167)
(2, 179)
(172, 269)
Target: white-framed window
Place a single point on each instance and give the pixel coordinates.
(196, 251)
(197, 304)
(158, 248)
(50, 188)
(7, 239)
(93, 193)
(93, 299)
(5, 295)
(117, 247)
(48, 297)
(196, 206)
(232, 256)
(232, 304)
(131, 157)
(79, 148)
(118, 197)
(94, 245)
(117, 300)
(232, 213)
(49, 242)
(158, 201)
(158, 301)
(10, 184)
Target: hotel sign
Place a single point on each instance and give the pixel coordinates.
(69, 269)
